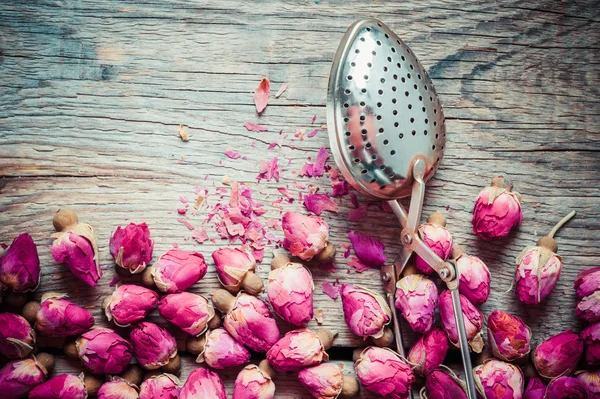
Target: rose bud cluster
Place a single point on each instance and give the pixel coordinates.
(325, 381)
(304, 236)
(58, 317)
(63, 386)
(497, 376)
(366, 313)
(76, 246)
(236, 271)
(384, 372)
(255, 382)
(591, 337)
(247, 319)
(131, 247)
(16, 336)
(190, 312)
(18, 377)
(566, 387)
(129, 303)
(290, 292)
(558, 355)
(161, 386)
(300, 348)
(591, 383)
(497, 210)
(177, 270)
(509, 337)
(473, 321)
(20, 265)
(474, 281)
(118, 388)
(203, 384)
(417, 298)
(153, 346)
(437, 237)
(102, 351)
(428, 352)
(535, 389)
(220, 350)
(442, 383)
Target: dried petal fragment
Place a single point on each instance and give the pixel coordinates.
(318, 203)
(177, 270)
(16, 336)
(368, 249)
(508, 336)
(268, 170)
(473, 321)
(417, 298)
(255, 128)
(221, 350)
(153, 346)
(332, 291)
(290, 292)
(261, 95)
(558, 355)
(190, 312)
(382, 371)
(131, 247)
(102, 351)
(281, 90)
(59, 317)
(63, 386)
(20, 265)
(366, 313)
(203, 384)
(130, 303)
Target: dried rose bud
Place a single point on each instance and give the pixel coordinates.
(508, 336)
(76, 246)
(131, 247)
(190, 312)
(102, 351)
(428, 352)
(591, 338)
(497, 210)
(221, 350)
(18, 377)
(442, 383)
(247, 319)
(591, 383)
(16, 336)
(366, 312)
(118, 388)
(20, 265)
(177, 270)
(473, 321)
(129, 304)
(587, 282)
(203, 384)
(437, 237)
(497, 379)
(474, 280)
(63, 386)
(566, 387)
(384, 372)
(162, 386)
(290, 292)
(300, 348)
(558, 355)
(325, 381)
(536, 389)
(588, 308)
(235, 270)
(417, 298)
(58, 317)
(153, 346)
(255, 382)
(305, 236)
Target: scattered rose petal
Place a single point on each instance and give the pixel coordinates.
(200, 235)
(317, 203)
(314, 118)
(186, 224)
(357, 264)
(286, 193)
(331, 290)
(255, 128)
(315, 169)
(281, 90)
(313, 133)
(261, 95)
(183, 134)
(268, 170)
(232, 154)
(319, 316)
(182, 211)
(368, 249)
(356, 214)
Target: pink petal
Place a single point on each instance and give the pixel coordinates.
(261, 95)
(255, 128)
(356, 214)
(200, 235)
(285, 192)
(313, 133)
(368, 249)
(317, 203)
(232, 154)
(186, 224)
(268, 170)
(322, 156)
(314, 118)
(281, 90)
(332, 291)
(357, 264)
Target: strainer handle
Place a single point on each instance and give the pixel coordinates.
(464, 345)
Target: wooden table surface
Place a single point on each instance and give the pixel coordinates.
(92, 95)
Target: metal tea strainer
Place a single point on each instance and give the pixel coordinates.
(387, 135)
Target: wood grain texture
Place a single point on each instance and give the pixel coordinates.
(92, 95)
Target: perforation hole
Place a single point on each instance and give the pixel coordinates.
(351, 147)
(381, 130)
(393, 152)
(401, 136)
(349, 77)
(369, 65)
(346, 119)
(419, 76)
(416, 87)
(433, 147)
(385, 69)
(366, 77)
(380, 92)
(382, 80)
(363, 90)
(409, 106)
(399, 65)
(362, 117)
(386, 142)
(364, 171)
(347, 91)
(362, 104)
(387, 36)
(364, 132)
(424, 109)
(412, 120)
(346, 105)
(389, 59)
(373, 180)
(426, 120)
(356, 160)
(403, 80)
(411, 66)
(396, 124)
(395, 112)
(402, 57)
(368, 29)
(393, 88)
(353, 63)
(357, 51)
(368, 145)
(406, 93)
(362, 39)
(435, 124)
(348, 134)
(425, 132)
(378, 42)
(420, 98)
(379, 105)
(395, 77)
(378, 117)
(408, 75)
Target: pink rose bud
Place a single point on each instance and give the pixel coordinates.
(18, 377)
(162, 386)
(366, 312)
(325, 381)
(474, 280)
(129, 304)
(20, 265)
(428, 352)
(499, 380)
(473, 321)
(76, 246)
(566, 387)
(58, 317)
(536, 389)
(558, 355)
(118, 388)
(16, 336)
(235, 270)
(305, 236)
(508, 336)
(255, 382)
(290, 292)
(437, 237)
(203, 384)
(131, 247)
(588, 308)
(587, 282)
(300, 348)
(102, 351)
(177, 270)
(591, 338)
(247, 319)
(497, 210)
(591, 383)
(190, 312)
(384, 372)
(153, 346)
(63, 386)
(221, 350)
(442, 383)
(417, 299)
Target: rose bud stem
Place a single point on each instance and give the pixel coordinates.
(30, 311)
(356, 353)
(265, 367)
(43, 341)
(15, 300)
(386, 339)
(252, 284)
(133, 374)
(152, 373)
(147, 278)
(280, 259)
(480, 358)
(350, 387)
(46, 360)
(326, 337)
(92, 384)
(195, 345)
(70, 350)
(223, 301)
(173, 367)
(215, 322)
(548, 241)
(529, 371)
(327, 254)
(64, 218)
(409, 270)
